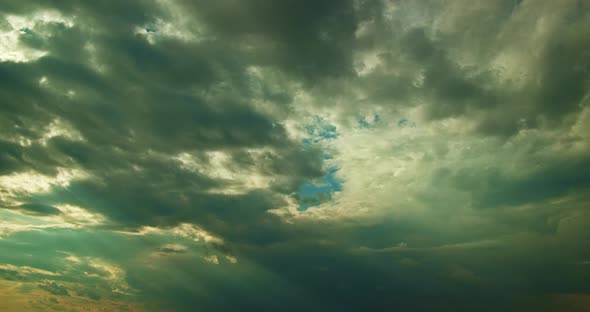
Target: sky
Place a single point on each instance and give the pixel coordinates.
(295, 155)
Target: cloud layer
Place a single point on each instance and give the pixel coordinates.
(288, 155)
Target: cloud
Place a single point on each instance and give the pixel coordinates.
(55, 289)
(180, 153)
(173, 248)
(26, 270)
(39, 209)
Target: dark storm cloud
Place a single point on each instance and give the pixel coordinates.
(20, 98)
(308, 38)
(133, 96)
(551, 182)
(11, 157)
(151, 112)
(453, 63)
(113, 15)
(453, 90)
(565, 71)
(17, 158)
(173, 96)
(491, 187)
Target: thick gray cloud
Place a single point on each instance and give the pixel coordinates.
(295, 155)
(305, 38)
(171, 97)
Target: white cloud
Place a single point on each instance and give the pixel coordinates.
(79, 216)
(14, 222)
(211, 259)
(231, 259)
(26, 270)
(185, 230)
(10, 49)
(60, 128)
(174, 247)
(30, 182)
(219, 166)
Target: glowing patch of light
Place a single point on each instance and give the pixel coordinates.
(218, 166)
(26, 270)
(11, 50)
(31, 182)
(58, 128)
(212, 259)
(79, 216)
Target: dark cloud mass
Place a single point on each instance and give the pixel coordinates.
(172, 155)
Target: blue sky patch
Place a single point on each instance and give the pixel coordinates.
(315, 193)
(365, 123)
(321, 129)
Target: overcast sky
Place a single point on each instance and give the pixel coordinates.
(295, 155)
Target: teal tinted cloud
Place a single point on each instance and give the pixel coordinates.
(294, 155)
